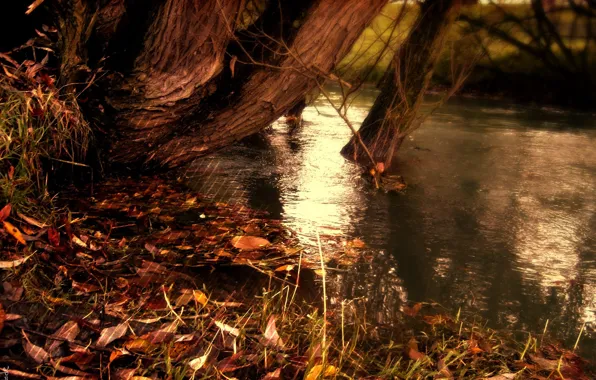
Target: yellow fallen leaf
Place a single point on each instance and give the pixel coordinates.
(200, 297)
(315, 372)
(14, 232)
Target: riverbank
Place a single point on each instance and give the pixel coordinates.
(143, 277)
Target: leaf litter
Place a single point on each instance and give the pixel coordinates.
(145, 280)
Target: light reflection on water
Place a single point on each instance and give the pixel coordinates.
(499, 217)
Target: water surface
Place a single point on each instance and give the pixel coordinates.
(499, 218)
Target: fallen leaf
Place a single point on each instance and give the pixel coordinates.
(14, 232)
(414, 354)
(67, 332)
(2, 317)
(200, 297)
(139, 345)
(78, 241)
(198, 363)
(12, 292)
(84, 287)
(249, 243)
(31, 221)
(285, 268)
(5, 212)
(543, 363)
(110, 334)
(412, 311)
(13, 263)
(54, 237)
(227, 328)
(124, 374)
(186, 295)
(38, 354)
(316, 371)
(275, 375)
(71, 371)
(271, 337)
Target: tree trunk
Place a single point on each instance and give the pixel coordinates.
(394, 113)
(173, 119)
(187, 77)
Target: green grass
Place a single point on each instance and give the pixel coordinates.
(40, 130)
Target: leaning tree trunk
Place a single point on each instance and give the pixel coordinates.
(394, 113)
(189, 78)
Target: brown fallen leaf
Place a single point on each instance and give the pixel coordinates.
(413, 352)
(2, 317)
(248, 243)
(270, 336)
(71, 371)
(13, 292)
(412, 311)
(67, 332)
(5, 212)
(110, 334)
(275, 375)
(85, 287)
(543, 363)
(14, 232)
(54, 237)
(124, 374)
(38, 354)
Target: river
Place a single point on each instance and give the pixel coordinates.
(499, 217)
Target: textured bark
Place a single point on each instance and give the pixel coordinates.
(327, 34)
(183, 51)
(186, 79)
(394, 112)
(75, 23)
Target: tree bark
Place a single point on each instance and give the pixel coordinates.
(394, 113)
(164, 116)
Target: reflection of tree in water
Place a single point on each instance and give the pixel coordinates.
(463, 250)
(375, 285)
